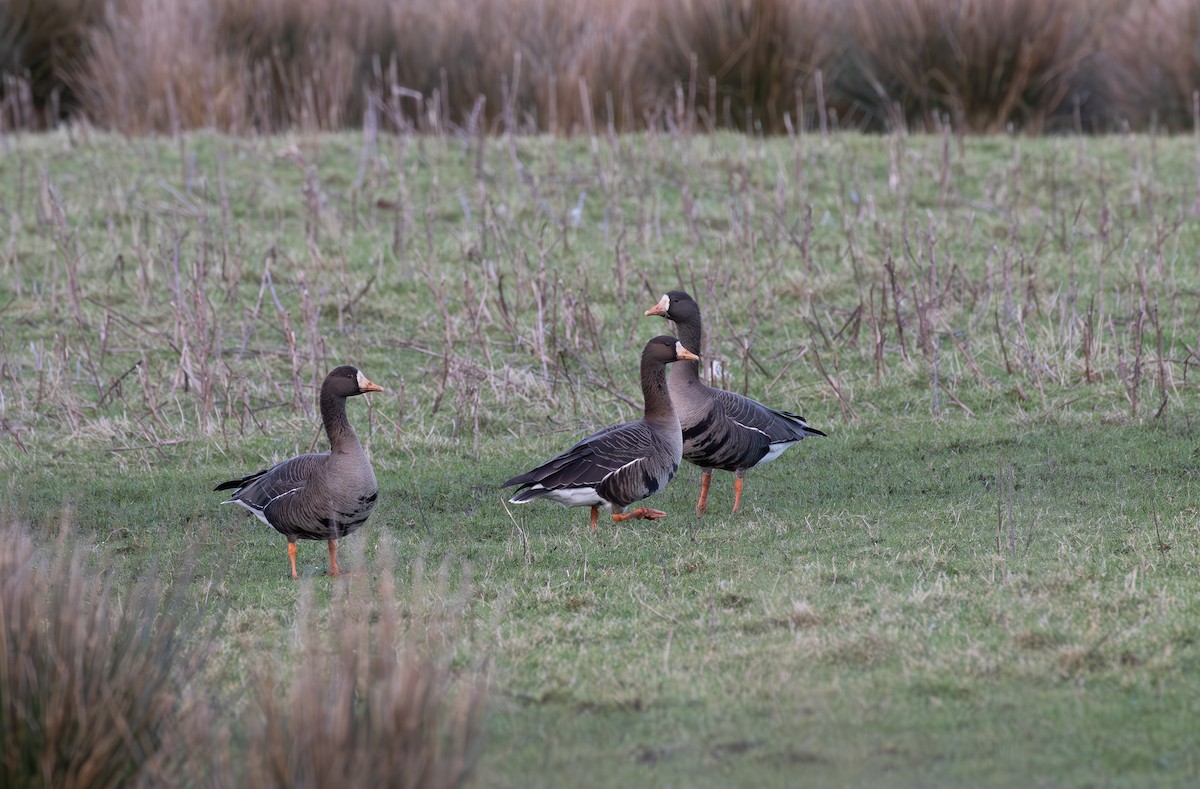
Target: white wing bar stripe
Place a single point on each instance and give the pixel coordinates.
(617, 470)
(748, 427)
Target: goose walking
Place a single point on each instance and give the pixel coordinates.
(721, 429)
(623, 463)
(320, 496)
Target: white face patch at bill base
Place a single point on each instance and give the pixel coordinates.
(683, 353)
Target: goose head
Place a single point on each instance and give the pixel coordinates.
(676, 306)
(347, 381)
(668, 349)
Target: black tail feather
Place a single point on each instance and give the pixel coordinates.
(233, 484)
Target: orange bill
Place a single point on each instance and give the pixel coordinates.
(364, 385)
(661, 308)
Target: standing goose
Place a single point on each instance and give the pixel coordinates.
(623, 463)
(321, 496)
(721, 429)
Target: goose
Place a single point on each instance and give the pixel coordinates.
(721, 429)
(622, 463)
(320, 496)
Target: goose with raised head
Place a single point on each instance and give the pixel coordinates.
(721, 429)
(623, 463)
(319, 496)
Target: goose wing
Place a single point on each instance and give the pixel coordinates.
(590, 462)
(259, 490)
(738, 433)
(777, 426)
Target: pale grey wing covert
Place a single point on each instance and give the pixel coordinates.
(776, 425)
(589, 461)
(642, 473)
(279, 479)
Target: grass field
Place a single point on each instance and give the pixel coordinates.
(986, 574)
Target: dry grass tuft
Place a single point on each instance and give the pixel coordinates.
(753, 59)
(41, 43)
(1078, 659)
(1035, 639)
(984, 63)
(95, 691)
(1152, 64)
(154, 66)
(376, 700)
(579, 64)
(300, 62)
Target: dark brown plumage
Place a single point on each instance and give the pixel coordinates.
(623, 463)
(321, 496)
(721, 429)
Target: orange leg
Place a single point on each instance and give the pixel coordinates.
(292, 558)
(640, 512)
(705, 481)
(595, 515)
(333, 568)
(737, 491)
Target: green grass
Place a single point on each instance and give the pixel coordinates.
(994, 587)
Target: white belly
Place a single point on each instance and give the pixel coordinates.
(254, 510)
(774, 451)
(572, 497)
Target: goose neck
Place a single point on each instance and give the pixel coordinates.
(337, 426)
(690, 333)
(654, 389)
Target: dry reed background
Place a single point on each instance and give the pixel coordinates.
(138, 66)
